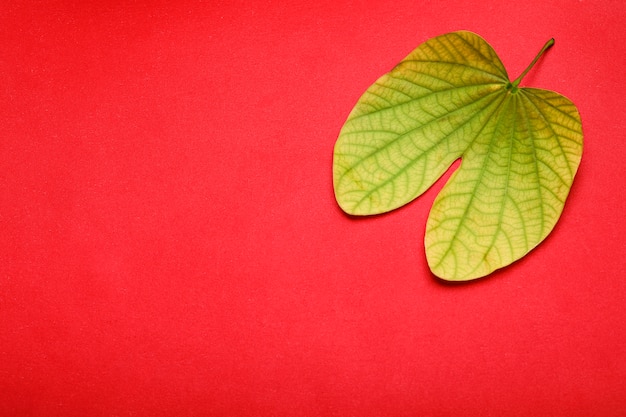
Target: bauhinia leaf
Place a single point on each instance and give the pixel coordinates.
(451, 98)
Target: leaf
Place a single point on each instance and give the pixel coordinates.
(451, 98)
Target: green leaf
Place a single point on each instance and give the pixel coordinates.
(451, 98)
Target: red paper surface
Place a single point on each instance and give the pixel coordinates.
(171, 246)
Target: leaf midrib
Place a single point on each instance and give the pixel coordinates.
(472, 194)
(422, 155)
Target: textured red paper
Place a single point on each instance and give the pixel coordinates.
(170, 244)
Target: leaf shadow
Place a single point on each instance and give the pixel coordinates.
(368, 217)
(470, 283)
(495, 275)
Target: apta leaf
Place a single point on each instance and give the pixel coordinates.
(451, 98)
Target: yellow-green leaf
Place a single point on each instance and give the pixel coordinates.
(451, 98)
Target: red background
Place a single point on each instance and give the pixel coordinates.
(170, 242)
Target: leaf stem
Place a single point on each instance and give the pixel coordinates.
(547, 46)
